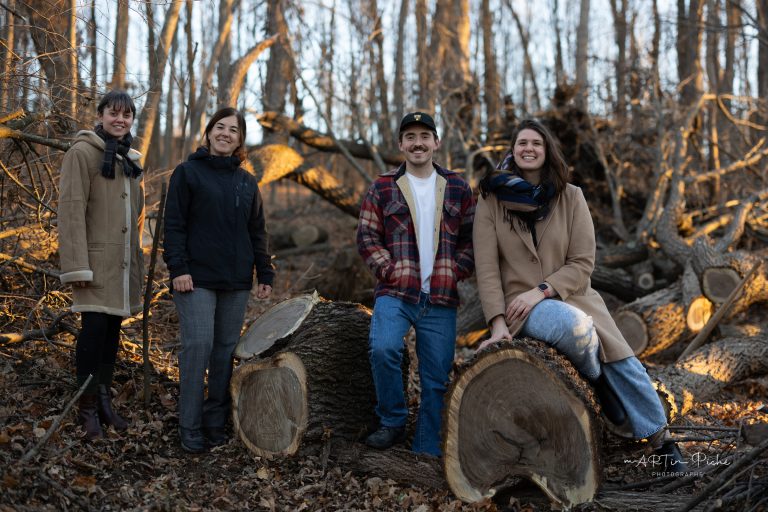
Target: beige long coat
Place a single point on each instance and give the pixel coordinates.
(100, 222)
(508, 264)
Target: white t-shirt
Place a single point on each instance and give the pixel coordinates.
(424, 194)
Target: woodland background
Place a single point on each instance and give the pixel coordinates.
(661, 108)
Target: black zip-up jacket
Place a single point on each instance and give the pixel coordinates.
(214, 224)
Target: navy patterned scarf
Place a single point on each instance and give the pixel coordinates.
(113, 147)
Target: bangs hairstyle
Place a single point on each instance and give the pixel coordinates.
(218, 116)
(555, 169)
(117, 100)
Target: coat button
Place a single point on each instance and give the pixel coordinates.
(534, 260)
(124, 265)
(124, 230)
(123, 195)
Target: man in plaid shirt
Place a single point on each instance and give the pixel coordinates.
(415, 234)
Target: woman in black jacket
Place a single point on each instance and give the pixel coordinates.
(215, 235)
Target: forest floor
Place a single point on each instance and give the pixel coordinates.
(145, 468)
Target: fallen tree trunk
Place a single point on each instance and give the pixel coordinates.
(321, 141)
(521, 409)
(311, 378)
(707, 371)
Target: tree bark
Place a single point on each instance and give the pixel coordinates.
(313, 382)
(707, 371)
(230, 91)
(398, 95)
(491, 83)
(549, 434)
(8, 59)
(423, 57)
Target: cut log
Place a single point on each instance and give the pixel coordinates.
(308, 234)
(707, 371)
(655, 322)
(616, 281)
(621, 256)
(521, 410)
(642, 275)
(311, 381)
(698, 308)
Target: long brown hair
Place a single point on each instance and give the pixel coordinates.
(218, 116)
(555, 170)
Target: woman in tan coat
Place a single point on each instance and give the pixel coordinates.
(534, 254)
(101, 213)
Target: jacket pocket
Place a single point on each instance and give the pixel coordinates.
(452, 217)
(396, 217)
(96, 262)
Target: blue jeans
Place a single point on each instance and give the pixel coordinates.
(571, 332)
(435, 340)
(210, 322)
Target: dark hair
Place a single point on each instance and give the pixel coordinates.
(555, 170)
(218, 116)
(118, 100)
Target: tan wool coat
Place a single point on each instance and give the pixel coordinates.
(100, 223)
(508, 264)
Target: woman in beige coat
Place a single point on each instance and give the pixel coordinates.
(534, 254)
(101, 212)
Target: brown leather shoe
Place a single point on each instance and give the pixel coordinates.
(106, 414)
(89, 417)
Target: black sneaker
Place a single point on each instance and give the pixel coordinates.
(192, 440)
(670, 458)
(385, 437)
(215, 436)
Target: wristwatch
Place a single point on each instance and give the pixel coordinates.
(545, 289)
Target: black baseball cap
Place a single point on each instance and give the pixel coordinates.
(418, 118)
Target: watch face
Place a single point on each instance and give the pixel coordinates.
(543, 287)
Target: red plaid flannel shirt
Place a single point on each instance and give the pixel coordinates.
(386, 239)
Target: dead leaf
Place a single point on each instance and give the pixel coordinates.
(262, 473)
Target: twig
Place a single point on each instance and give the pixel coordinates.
(55, 426)
(726, 475)
(34, 334)
(25, 188)
(705, 332)
(148, 295)
(703, 427)
(29, 267)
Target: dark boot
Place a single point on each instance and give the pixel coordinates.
(89, 417)
(106, 414)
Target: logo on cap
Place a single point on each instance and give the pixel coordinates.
(417, 117)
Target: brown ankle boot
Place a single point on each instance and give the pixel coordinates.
(89, 417)
(106, 414)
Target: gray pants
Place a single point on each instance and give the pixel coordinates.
(210, 323)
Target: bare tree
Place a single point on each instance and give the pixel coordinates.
(399, 79)
(423, 55)
(689, 42)
(762, 57)
(224, 66)
(159, 57)
(619, 12)
(94, 48)
(559, 70)
(380, 81)
(529, 74)
(279, 70)
(121, 45)
(582, 64)
(8, 58)
(491, 85)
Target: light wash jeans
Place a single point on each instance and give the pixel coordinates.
(210, 323)
(435, 340)
(571, 332)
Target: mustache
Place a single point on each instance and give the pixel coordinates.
(419, 148)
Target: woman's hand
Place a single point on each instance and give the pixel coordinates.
(183, 283)
(499, 331)
(522, 305)
(263, 291)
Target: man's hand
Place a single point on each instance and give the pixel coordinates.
(522, 305)
(183, 283)
(263, 291)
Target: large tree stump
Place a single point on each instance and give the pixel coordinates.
(521, 410)
(705, 372)
(311, 379)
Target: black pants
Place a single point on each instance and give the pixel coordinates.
(97, 347)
